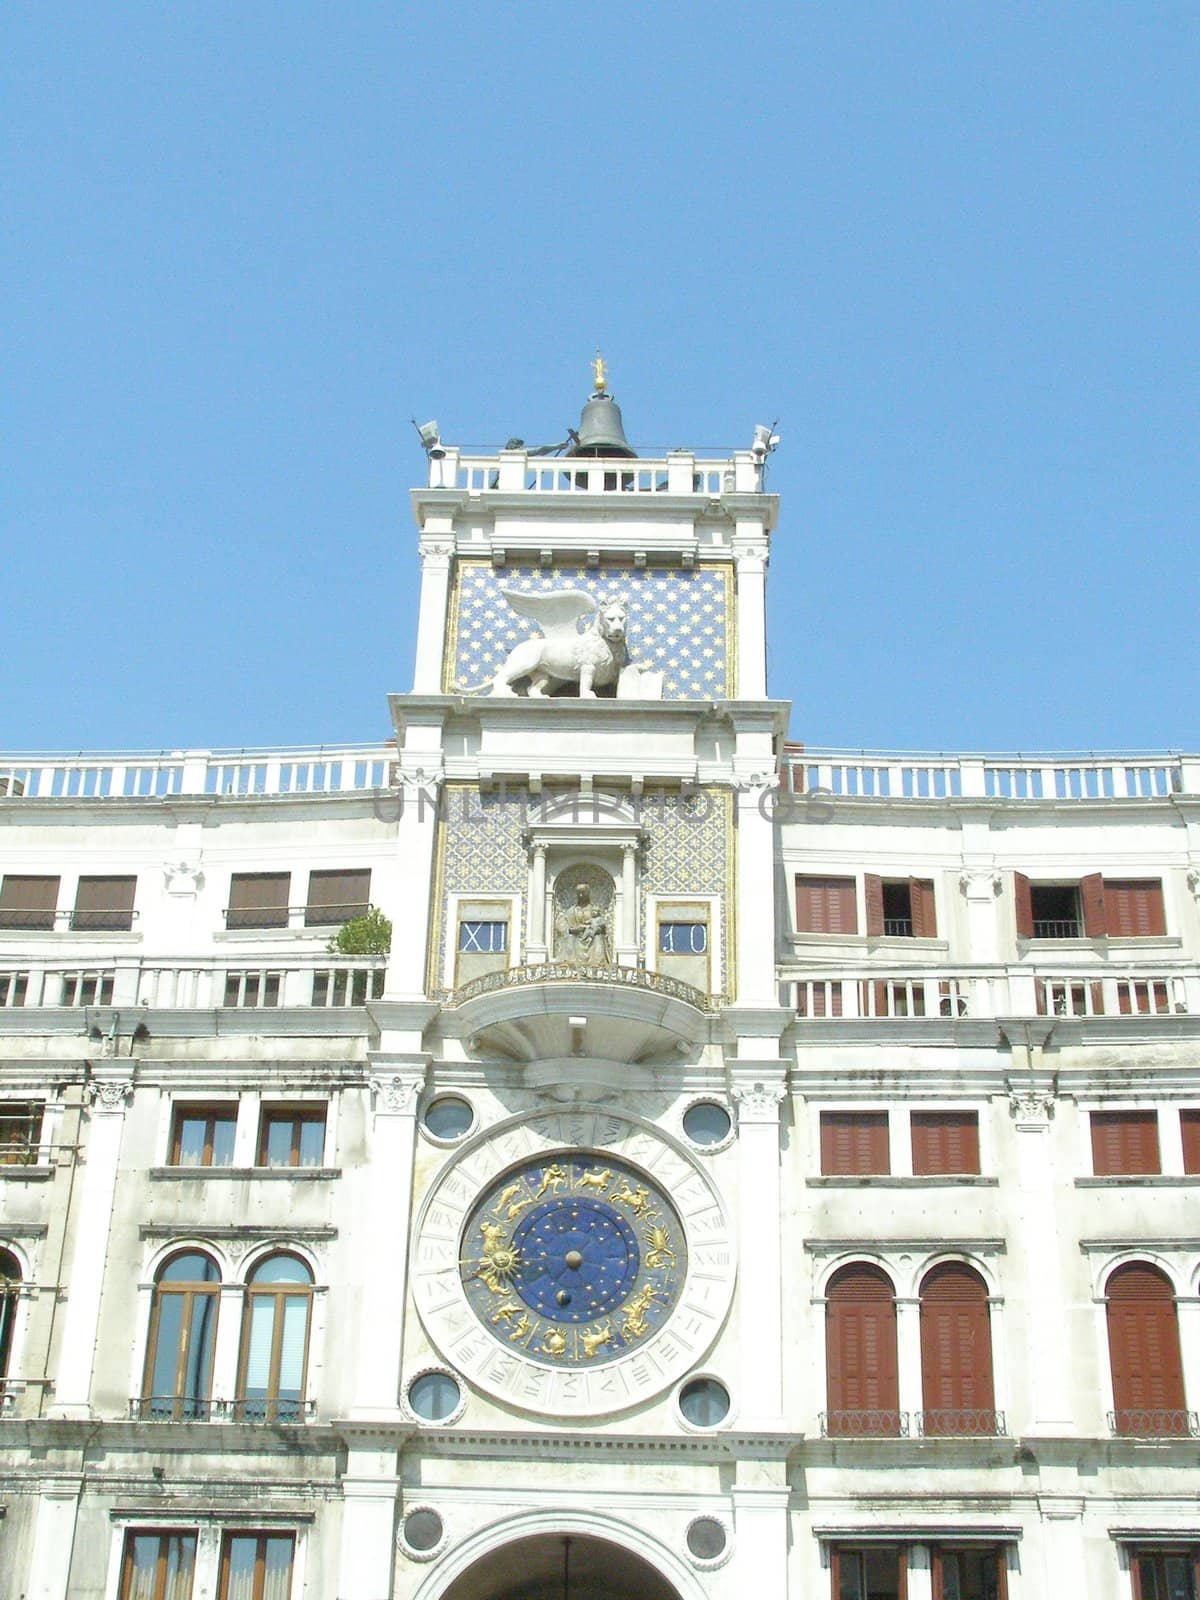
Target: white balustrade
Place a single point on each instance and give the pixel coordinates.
(893, 776)
(235, 773)
(192, 984)
(948, 993)
(516, 470)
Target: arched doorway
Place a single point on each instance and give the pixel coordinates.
(547, 1566)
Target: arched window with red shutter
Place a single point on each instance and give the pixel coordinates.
(862, 1386)
(956, 1353)
(1143, 1348)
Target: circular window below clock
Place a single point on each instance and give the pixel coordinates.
(707, 1541)
(423, 1532)
(434, 1396)
(448, 1117)
(707, 1123)
(704, 1402)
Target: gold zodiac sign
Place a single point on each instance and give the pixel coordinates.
(660, 1253)
(591, 1342)
(506, 1312)
(512, 1202)
(554, 1343)
(500, 1260)
(507, 1196)
(638, 1200)
(522, 1329)
(634, 1324)
(554, 1177)
(597, 1180)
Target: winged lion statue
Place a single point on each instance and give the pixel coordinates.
(564, 654)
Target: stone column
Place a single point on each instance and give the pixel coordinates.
(54, 1537)
(1062, 1544)
(1188, 1310)
(93, 1217)
(628, 952)
(416, 833)
(760, 1510)
(751, 613)
(908, 1358)
(755, 953)
(535, 946)
(918, 1573)
(369, 1489)
(396, 1084)
(760, 1252)
(1045, 1310)
(436, 556)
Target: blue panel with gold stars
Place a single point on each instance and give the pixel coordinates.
(577, 1259)
(680, 621)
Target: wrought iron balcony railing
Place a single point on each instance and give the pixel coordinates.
(969, 1422)
(1154, 1422)
(873, 1424)
(185, 1408)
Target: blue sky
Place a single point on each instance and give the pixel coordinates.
(953, 247)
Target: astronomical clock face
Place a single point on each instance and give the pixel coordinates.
(575, 1259)
(573, 1264)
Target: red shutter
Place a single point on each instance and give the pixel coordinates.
(956, 1352)
(1022, 906)
(1189, 1123)
(1143, 1345)
(1133, 909)
(945, 1142)
(874, 896)
(1091, 893)
(1125, 1143)
(825, 905)
(924, 913)
(854, 1143)
(860, 1351)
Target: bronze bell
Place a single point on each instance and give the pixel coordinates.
(601, 432)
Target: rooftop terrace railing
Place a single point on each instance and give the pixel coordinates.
(952, 993)
(932, 777)
(320, 770)
(198, 983)
(865, 774)
(680, 472)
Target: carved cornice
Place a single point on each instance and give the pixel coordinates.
(109, 1095)
(758, 1102)
(398, 1093)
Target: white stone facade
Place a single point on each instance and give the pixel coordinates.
(797, 948)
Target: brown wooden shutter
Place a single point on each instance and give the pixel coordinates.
(956, 1351)
(1022, 906)
(1143, 1345)
(258, 900)
(945, 1142)
(1189, 1125)
(28, 902)
(854, 1143)
(1124, 1143)
(1091, 894)
(874, 897)
(826, 905)
(860, 1350)
(1134, 909)
(924, 912)
(105, 903)
(337, 896)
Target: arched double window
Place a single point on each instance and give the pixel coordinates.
(183, 1335)
(862, 1388)
(274, 1362)
(956, 1353)
(1143, 1347)
(10, 1290)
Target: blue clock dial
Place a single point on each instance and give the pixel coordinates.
(576, 1259)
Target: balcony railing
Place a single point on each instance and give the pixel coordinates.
(951, 993)
(334, 770)
(27, 919)
(568, 972)
(883, 775)
(201, 983)
(960, 1423)
(179, 1408)
(518, 472)
(864, 1424)
(1057, 928)
(1154, 1423)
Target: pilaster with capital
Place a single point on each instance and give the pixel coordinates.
(385, 1183)
(108, 1095)
(758, 1096)
(437, 554)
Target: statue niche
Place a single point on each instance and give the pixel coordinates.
(583, 903)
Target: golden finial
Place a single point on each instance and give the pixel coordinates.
(600, 373)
